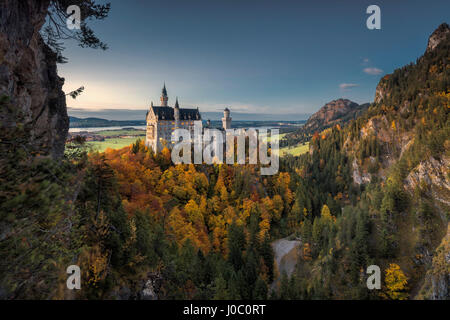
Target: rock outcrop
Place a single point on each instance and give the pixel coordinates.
(434, 174)
(438, 36)
(437, 280)
(335, 112)
(28, 76)
(381, 91)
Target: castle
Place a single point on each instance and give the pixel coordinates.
(163, 120)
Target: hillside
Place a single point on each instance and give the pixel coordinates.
(336, 112)
(385, 178)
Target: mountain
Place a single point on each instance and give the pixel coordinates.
(439, 35)
(98, 122)
(335, 112)
(387, 172)
(409, 123)
(129, 114)
(241, 116)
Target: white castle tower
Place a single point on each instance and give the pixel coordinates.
(226, 120)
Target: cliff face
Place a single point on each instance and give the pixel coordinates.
(437, 280)
(28, 76)
(409, 122)
(335, 112)
(439, 35)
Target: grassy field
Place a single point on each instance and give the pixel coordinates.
(119, 143)
(295, 151)
(115, 143)
(280, 136)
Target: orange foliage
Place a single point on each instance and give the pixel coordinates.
(181, 198)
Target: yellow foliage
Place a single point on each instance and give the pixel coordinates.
(305, 212)
(396, 282)
(326, 214)
(307, 252)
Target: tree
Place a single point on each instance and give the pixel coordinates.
(306, 231)
(268, 256)
(220, 289)
(325, 213)
(284, 287)
(307, 252)
(236, 244)
(396, 283)
(294, 217)
(55, 29)
(260, 292)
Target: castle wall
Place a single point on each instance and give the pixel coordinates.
(159, 132)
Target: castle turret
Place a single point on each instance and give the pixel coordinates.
(226, 120)
(176, 114)
(164, 97)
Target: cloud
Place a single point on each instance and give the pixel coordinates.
(346, 86)
(366, 61)
(373, 71)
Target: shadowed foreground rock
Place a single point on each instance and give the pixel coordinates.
(28, 76)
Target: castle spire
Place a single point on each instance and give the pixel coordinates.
(176, 114)
(164, 97)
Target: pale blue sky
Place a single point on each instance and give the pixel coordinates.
(264, 56)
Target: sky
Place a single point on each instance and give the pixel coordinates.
(256, 56)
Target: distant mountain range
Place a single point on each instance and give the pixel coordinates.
(98, 122)
(138, 115)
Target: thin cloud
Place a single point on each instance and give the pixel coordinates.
(366, 61)
(373, 71)
(346, 86)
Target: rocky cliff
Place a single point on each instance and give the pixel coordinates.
(408, 126)
(335, 112)
(384, 90)
(28, 76)
(439, 35)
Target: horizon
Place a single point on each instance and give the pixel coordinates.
(267, 61)
(139, 115)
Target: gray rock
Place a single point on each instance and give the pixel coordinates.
(28, 75)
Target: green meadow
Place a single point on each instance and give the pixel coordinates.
(295, 151)
(114, 143)
(125, 132)
(119, 143)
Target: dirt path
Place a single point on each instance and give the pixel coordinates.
(286, 256)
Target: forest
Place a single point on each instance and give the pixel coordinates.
(371, 192)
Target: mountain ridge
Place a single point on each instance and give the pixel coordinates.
(337, 111)
(402, 143)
